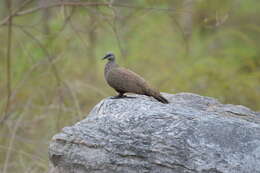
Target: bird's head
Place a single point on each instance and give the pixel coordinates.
(109, 56)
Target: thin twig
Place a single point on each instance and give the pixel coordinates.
(11, 142)
(53, 66)
(185, 40)
(49, 56)
(8, 62)
(116, 32)
(26, 2)
(75, 99)
(13, 136)
(66, 21)
(61, 3)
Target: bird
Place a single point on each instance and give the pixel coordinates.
(126, 81)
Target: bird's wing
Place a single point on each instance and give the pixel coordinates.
(122, 79)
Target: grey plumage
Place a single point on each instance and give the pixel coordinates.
(126, 81)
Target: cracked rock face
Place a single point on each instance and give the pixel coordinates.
(191, 134)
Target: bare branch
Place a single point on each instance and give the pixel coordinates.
(79, 4)
(53, 67)
(8, 63)
(12, 138)
(185, 40)
(49, 56)
(5, 20)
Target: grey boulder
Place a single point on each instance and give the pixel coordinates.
(192, 134)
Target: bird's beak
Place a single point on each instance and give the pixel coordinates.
(105, 57)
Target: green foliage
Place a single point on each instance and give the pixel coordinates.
(57, 77)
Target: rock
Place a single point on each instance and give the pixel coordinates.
(191, 134)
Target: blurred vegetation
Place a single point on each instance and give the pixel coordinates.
(201, 46)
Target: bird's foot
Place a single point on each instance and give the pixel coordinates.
(123, 96)
(119, 96)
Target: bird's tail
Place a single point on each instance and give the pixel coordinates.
(155, 94)
(160, 98)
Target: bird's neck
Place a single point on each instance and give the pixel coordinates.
(109, 66)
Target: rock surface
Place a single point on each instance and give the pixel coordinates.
(191, 134)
